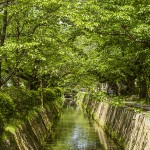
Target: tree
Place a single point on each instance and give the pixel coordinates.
(121, 29)
(76, 42)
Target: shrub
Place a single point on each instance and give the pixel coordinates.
(99, 96)
(1, 125)
(33, 98)
(24, 99)
(58, 91)
(6, 106)
(117, 101)
(49, 95)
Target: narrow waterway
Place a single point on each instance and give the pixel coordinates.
(74, 131)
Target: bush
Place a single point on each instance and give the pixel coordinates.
(49, 95)
(117, 101)
(6, 106)
(33, 98)
(1, 125)
(24, 100)
(99, 96)
(58, 91)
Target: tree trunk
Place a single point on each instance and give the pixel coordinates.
(34, 84)
(131, 85)
(114, 87)
(143, 94)
(41, 86)
(0, 73)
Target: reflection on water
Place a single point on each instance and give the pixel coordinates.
(74, 131)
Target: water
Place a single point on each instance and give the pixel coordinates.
(74, 131)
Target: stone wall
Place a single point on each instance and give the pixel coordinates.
(129, 128)
(31, 134)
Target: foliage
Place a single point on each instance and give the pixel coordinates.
(7, 107)
(34, 98)
(1, 125)
(117, 101)
(23, 99)
(59, 91)
(114, 42)
(72, 44)
(49, 95)
(98, 96)
(137, 110)
(75, 44)
(114, 135)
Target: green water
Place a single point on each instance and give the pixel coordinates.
(74, 131)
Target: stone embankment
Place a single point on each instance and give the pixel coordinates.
(129, 128)
(31, 134)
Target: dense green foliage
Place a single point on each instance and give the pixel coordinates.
(7, 106)
(18, 103)
(49, 95)
(114, 44)
(1, 125)
(24, 99)
(61, 42)
(73, 44)
(58, 91)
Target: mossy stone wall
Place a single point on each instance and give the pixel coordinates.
(129, 128)
(31, 134)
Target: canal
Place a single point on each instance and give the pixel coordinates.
(74, 131)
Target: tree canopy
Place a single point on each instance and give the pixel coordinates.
(76, 43)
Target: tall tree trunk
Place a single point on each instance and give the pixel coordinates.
(34, 83)
(0, 73)
(34, 80)
(131, 85)
(17, 70)
(143, 94)
(116, 89)
(17, 52)
(41, 86)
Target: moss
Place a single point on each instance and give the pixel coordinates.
(148, 115)
(53, 109)
(136, 110)
(90, 111)
(19, 105)
(114, 135)
(117, 101)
